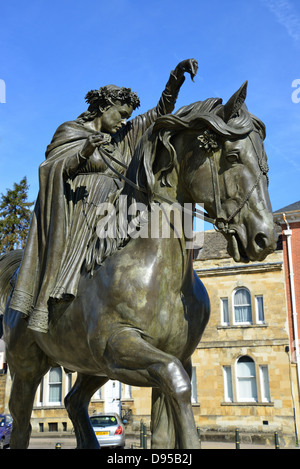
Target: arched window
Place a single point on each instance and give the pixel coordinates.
(55, 385)
(242, 306)
(246, 380)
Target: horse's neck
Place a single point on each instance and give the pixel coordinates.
(171, 230)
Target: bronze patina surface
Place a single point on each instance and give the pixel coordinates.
(114, 298)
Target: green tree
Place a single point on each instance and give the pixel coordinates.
(15, 215)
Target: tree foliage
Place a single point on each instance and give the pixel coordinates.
(15, 215)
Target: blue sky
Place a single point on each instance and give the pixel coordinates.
(53, 52)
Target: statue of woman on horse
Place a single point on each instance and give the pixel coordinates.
(207, 152)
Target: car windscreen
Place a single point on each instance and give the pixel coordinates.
(104, 421)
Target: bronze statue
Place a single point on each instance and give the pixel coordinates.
(139, 314)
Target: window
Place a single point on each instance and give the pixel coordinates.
(228, 383)
(68, 382)
(127, 391)
(242, 306)
(246, 380)
(53, 427)
(40, 393)
(194, 385)
(55, 386)
(241, 383)
(1, 360)
(259, 304)
(264, 383)
(239, 312)
(224, 311)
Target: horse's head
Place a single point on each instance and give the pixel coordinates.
(221, 163)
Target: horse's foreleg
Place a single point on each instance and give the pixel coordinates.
(130, 358)
(77, 402)
(192, 431)
(176, 385)
(162, 420)
(163, 433)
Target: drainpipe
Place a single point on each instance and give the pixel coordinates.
(288, 234)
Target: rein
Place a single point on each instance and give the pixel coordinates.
(195, 212)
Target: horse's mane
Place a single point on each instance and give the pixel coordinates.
(111, 232)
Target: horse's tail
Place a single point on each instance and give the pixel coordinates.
(9, 263)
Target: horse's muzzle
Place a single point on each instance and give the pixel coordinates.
(256, 247)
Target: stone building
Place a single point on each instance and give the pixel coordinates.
(243, 362)
(288, 218)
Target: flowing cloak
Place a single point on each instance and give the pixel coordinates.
(70, 190)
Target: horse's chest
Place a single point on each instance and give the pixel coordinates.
(177, 326)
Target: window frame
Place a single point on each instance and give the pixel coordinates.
(259, 321)
(251, 379)
(194, 396)
(54, 383)
(265, 391)
(241, 323)
(231, 384)
(223, 322)
(228, 383)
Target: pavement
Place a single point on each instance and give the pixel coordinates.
(69, 442)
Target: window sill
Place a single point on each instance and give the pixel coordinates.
(48, 406)
(262, 404)
(241, 326)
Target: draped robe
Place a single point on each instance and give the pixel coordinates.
(70, 190)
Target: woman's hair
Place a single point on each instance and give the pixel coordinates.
(106, 96)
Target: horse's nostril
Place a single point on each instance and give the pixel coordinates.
(260, 241)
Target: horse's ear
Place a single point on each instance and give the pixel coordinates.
(235, 102)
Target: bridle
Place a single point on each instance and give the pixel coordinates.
(220, 222)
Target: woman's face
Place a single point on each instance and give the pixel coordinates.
(115, 117)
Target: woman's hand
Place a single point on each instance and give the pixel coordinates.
(189, 65)
(93, 142)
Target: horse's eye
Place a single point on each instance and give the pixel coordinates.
(233, 157)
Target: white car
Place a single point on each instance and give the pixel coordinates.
(109, 430)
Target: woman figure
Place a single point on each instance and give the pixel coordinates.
(74, 180)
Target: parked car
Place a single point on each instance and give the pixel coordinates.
(109, 430)
(5, 430)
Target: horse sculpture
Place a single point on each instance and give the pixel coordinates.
(140, 316)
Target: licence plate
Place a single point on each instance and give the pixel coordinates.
(102, 433)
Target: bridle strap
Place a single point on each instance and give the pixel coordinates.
(221, 222)
(216, 188)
